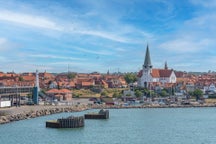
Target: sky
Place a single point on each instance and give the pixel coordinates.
(99, 35)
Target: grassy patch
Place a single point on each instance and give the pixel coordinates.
(210, 100)
(86, 93)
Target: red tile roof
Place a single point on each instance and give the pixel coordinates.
(28, 78)
(156, 73)
(179, 74)
(64, 91)
(87, 83)
(58, 91)
(53, 91)
(165, 72)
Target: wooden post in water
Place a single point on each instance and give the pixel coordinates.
(102, 114)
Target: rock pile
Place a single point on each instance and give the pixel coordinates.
(7, 117)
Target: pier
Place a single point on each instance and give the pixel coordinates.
(69, 122)
(102, 114)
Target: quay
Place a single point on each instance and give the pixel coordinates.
(69, 122)
(102, 114)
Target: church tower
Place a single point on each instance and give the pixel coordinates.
(146, 71)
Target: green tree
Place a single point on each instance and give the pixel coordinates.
(163, 93)
(138, 93)
(153, 94)
(197, 93)
(104, 93)
(128, 95)
(191, 93)
(116, 95)
(21, 78)
(130, 77)
(146, 92)
(71, 75)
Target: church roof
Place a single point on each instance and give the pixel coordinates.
(161, 73)
(157, 73)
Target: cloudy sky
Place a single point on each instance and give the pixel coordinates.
(97, 35)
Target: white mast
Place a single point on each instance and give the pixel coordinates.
(37, 81)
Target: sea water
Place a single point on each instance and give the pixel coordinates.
(125, 126)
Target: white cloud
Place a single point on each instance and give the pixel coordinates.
(46, 23)
(194, 35)
(183, 45)
(114, 30)
(186, 64)
(75, 66)
(6, 45)
(2, 58)
(204, 3)
(102, 34)
(98, 52)
(30, 20)
(3, 41)
(54, 57)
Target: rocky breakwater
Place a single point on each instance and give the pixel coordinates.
(191, 105)
(27, 112)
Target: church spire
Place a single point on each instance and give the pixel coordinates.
(147, 62)
(108, 72)
(165, 66)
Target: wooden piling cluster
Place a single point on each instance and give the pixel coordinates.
(75, 122)
(52, 124)
(102, 114)
(69, 122)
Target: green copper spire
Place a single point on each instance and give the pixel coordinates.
(147, 62)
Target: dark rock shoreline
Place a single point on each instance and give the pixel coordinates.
(26, 112)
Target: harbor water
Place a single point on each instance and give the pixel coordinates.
(124, 126)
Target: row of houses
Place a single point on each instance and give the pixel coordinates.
(50, 81)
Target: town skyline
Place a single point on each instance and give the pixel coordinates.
(87, 36)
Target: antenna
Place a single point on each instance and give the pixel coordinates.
(40, 67)
(68, 68)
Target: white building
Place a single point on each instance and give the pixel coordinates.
(149, 75)
(210, 88)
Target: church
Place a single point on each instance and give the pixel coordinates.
(149, 75)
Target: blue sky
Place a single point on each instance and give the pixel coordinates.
(97, 35)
